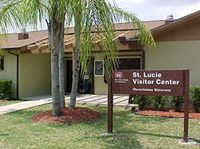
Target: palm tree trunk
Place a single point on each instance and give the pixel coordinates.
(55, 84)
(75, 79)
(77, 30)
(56, 41)
(61, 67)
(61, 78)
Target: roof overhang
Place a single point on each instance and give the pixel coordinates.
(176, 22)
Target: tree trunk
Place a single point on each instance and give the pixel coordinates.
(61, 78)
(55, 84)
(75, 79)
(61, 69)
(77, 31)
(56, 41)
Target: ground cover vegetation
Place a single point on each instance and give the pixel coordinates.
(5, 89)
(160, 102)
(195, 97)
(130, 131)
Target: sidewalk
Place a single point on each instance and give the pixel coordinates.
(81, 99)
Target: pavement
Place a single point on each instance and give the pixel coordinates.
(95, 100)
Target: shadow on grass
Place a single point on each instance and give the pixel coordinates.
(150, 134)
(118, 140)
(4, 134)
(155, 135)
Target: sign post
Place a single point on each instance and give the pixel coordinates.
(110, 106)
(186, 105)
(150, 82)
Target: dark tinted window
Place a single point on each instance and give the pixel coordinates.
(129, 63)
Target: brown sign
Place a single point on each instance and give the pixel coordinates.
(149, 82)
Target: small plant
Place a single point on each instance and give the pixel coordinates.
(142, 101)
(159, 102)
(5, 89)
(195, 97)
(177, 102)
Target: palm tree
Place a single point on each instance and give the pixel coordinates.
(93, 20)
(20, 12)
(94, 23)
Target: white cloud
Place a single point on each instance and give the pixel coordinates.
(159, 9)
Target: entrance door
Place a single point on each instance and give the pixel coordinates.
(129, 63)
(69, 75)
(86, 81)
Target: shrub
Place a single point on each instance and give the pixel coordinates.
(142, 101)
(159, 102)
(177, 102)
(5, 89)
(195, 97)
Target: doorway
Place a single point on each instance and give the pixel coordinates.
(69, 75)
(86, 80)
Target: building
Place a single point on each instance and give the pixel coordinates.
(26, 59)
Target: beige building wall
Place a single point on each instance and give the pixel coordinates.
(35, 75)
(100, 87)
(10, 71)
(176, 55)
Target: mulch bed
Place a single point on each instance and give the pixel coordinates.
(168, 113)
(79, 115)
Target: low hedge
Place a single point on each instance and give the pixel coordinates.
(195, 97)
(5, 89)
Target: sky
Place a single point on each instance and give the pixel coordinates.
(148, 10)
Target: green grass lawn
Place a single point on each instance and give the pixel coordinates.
(3, 103)
(130, 132)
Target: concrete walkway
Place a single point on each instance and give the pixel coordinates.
(96, 100)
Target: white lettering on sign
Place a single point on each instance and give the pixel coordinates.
(162, 90)
(136, 75)
(151, 90)
(142, 81)
(167, 82)
(147, 75)
(121, 80)
(143, 89)
(153, 76)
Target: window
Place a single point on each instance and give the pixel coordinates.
(129, 63)
(1, 62)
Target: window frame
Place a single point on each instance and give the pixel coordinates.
(99, 63)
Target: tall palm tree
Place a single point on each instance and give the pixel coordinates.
(21, 12)
(90, 16)
(94, 23)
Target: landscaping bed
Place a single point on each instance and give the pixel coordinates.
(168, 113)
(79, 114)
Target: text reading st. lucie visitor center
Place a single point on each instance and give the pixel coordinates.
(149, 82)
